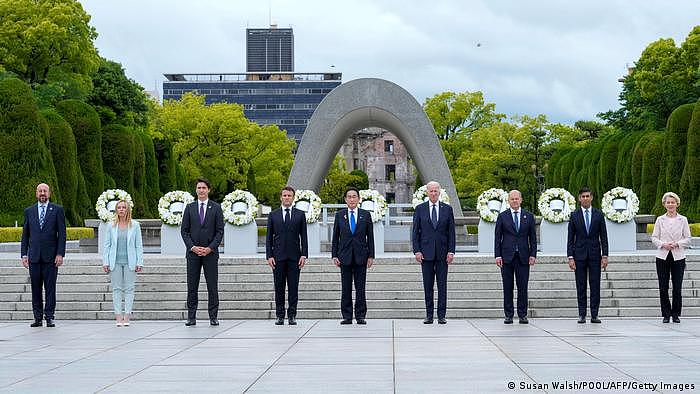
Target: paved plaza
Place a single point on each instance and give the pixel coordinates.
(385, 356)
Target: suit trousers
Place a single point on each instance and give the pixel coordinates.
(433, 269)
(211, 275)
(522, 276)
(588, 271)
(286, 272)
(358, 273)
(123, 282)
(673, 269)
(43, 277)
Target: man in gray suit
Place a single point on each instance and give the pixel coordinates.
(202, 230)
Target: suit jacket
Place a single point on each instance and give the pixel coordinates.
(507, 237)
(209, 233)
(433, 243)
(582, 245)
(44, 244)
(349, 247)
(286, 241)
(134, 246)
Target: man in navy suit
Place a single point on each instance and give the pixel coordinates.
(43, 248)
(515, 250)
(587, 235)
(434, 248)
(202, 230)
(353, 251)
(286, 248)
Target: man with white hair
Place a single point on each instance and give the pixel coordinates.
(434, 248)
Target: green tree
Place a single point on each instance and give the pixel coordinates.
(24, 156)
(45, 41)
(644, 139)
(675, 142)
(690, 180)
(117, 97)
(664, 77)
(653, 152)
(152, 186)
(336, 182)
(88, 137)
(118, 152)
(364, 183)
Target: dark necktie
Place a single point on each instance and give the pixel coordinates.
(588, 221)
(352, 221)
(433, 216)
(516, 221)
(287, 217)
(201, 213)
(41, 216)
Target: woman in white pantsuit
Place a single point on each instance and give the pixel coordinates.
(123, 256)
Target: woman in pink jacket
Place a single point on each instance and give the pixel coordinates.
(671, 236)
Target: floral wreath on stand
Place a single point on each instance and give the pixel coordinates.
(482, 204)
(556, 215)
(106, 198)
(619, 214)
(421, 195)
(379, 206)
(234, 212)
(312, 208)
(168, 216)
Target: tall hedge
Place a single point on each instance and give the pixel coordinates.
(118, 156)
(566, 168)
(553, 174)
(24, 157)
(653, 152)
(593, 172)
(167, 169)
(65, 159)
(690, 181)
(607, 165)
(623, 170)
(86, 127)
(153, 192)
(140, 204)
(638, 159)
(576, 169)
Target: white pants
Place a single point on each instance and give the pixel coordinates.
(123, 280)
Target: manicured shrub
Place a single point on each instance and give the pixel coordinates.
(689, 190)
(650, 172)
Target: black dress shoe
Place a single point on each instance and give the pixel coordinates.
(37, 323)
(279, 321)
(676, 319)
(428, 320)
(508, 320)
(595, 320)
(292, 321)
(442, 320)
(523, 320)
(346, 321)
(666, 319)
(581, 319)
(50, 323)
(213, 322)
(191, 322)
(361, 321)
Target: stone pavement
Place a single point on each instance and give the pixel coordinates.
(385, 356)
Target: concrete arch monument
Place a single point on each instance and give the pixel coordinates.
(369, 102)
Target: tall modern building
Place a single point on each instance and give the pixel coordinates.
(269, 50)
(270, 92)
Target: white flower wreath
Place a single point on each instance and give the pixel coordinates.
(618, 211)
(374, 202)
(490, 213)
(421, 195)
(310, 203)
(240, 207)
(557, 214)
(107, 203)
(173, 217)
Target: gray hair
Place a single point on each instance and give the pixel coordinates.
(673, 195)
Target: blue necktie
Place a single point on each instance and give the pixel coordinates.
(41, 216)
(352, 221)
(516, 221)
(588, 221)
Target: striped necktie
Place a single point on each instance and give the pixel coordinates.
(42, 215)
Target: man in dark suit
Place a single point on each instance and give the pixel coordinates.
(587, 235)
(202, 230)
(434, 248)
(353, 252)
(286, 248)
(515, 250)
(43, 248)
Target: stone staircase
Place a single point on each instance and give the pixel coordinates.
(394, 288)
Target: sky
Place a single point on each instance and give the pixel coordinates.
(557, 58)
